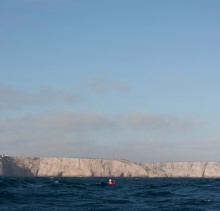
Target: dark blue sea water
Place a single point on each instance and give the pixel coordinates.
(128, 194)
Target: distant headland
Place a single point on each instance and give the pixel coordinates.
(86, 167)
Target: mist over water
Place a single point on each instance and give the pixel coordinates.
(128, 194)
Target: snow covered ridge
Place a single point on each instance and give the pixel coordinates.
(85, 167)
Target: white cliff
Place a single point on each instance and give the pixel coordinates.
(88, 167)
(82, 167)
(175, 169)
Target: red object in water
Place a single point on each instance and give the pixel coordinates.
(111, 182)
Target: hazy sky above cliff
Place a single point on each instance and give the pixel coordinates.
(137, 80)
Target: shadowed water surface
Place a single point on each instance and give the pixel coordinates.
(128, 194)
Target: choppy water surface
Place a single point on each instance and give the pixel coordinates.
(127, 194)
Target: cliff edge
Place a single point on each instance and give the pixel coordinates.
(84, 167)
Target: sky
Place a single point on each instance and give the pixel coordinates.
(124, 79)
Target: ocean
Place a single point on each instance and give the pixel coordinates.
(59, 193)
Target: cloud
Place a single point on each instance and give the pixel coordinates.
(56, 125)
(15, 97)
(155, 122)
(95, 134)
(210, 143)
(73, 121)
(90, 125)
(105, 85)
(54, 133)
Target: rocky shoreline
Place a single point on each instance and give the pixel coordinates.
(86, 167)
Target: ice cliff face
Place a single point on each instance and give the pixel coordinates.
(82, 167)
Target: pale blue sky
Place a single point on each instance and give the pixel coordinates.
(137, 80)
